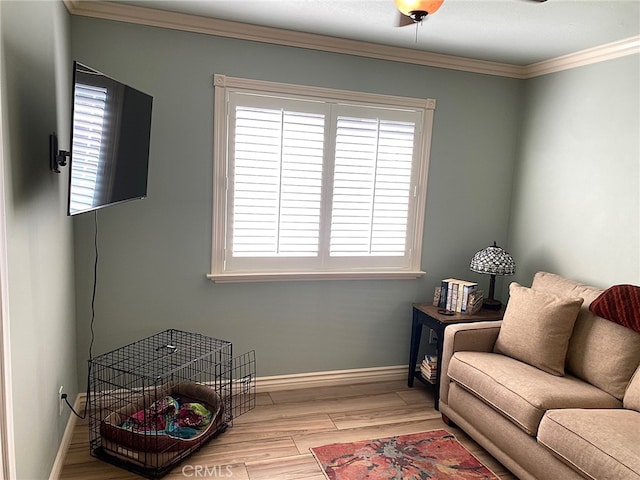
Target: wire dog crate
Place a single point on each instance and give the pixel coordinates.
(157, 400)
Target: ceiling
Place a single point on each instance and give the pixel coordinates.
(517, 32)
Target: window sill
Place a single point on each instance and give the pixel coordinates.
(298, 276)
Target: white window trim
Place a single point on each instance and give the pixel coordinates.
(221, 82)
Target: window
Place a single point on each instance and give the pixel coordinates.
(90, 105)
(317, 183)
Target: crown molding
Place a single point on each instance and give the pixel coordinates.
(223, 28)
(609, 51)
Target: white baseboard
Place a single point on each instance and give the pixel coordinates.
(330, 378)
(58, 463)
(268, 384)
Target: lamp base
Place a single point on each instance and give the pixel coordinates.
(491, 304)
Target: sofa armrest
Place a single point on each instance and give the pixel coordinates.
(474, 337)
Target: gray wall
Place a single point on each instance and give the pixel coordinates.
(35, 102)
(576, 200)
(572, 138)
(155, 253)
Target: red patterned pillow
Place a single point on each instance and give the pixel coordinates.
(620, 304)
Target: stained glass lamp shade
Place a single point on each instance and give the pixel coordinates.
(493, 261)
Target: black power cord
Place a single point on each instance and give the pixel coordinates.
(93, 317)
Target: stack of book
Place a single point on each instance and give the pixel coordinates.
(454, 295)
(429, 368)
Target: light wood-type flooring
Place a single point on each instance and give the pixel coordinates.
(272, 441)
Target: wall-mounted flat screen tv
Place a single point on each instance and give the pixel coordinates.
(110, 137)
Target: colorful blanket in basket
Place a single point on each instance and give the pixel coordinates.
(169, 416)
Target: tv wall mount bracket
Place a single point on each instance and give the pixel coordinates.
(57, 158)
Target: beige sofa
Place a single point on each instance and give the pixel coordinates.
(543, 418)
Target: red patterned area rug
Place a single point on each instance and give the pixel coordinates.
(434, 455)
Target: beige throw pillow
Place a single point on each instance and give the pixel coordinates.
(537, 327)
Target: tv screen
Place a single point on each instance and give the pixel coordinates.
(110, 135)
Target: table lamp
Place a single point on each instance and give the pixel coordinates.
(492, 260)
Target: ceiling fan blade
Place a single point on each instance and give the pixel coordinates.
(403, 20)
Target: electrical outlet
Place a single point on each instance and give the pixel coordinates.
(433, 338)
(60, 400)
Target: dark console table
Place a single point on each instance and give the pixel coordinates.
(426, 314)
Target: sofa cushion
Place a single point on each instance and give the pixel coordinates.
(536, 328)
(602, 444)
(600, 352)
(520, 392)
(631, 398)
(620, 304)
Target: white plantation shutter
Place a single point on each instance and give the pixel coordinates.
(317, 183)
(88, 123)
(372, 183)
(277, 182)
(274, 181)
